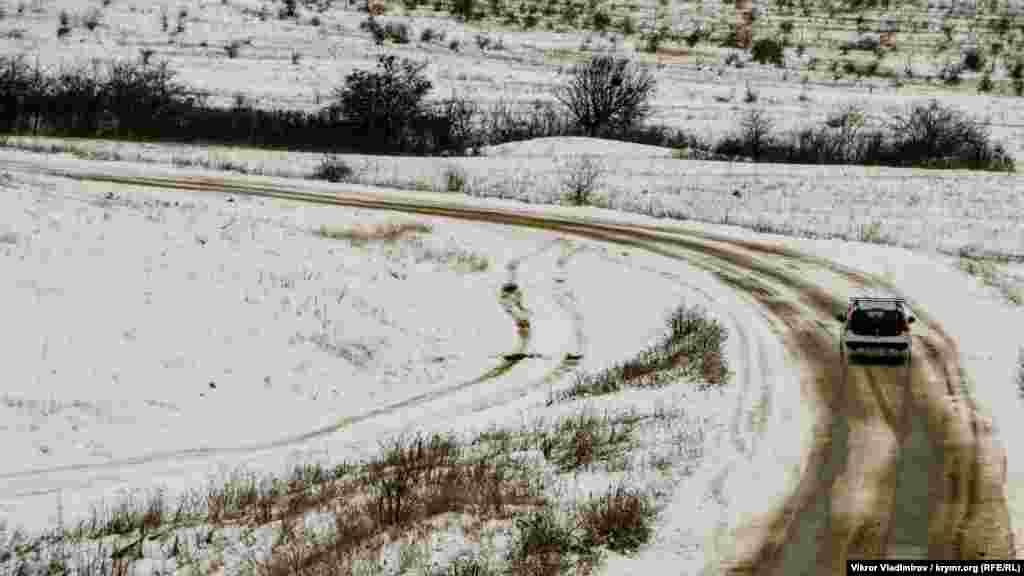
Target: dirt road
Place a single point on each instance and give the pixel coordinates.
(900, 466)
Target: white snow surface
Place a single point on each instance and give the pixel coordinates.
(574, 146)
(122, 318)
(150, 324)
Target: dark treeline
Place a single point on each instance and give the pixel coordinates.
(384, 112)
(143, 102)
(136, 101)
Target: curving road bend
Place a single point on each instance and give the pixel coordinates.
(900, 465)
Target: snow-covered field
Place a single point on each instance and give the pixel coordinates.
(168, 339)
(697, 92)
(130, 302)
(158, 339)
(923, 209)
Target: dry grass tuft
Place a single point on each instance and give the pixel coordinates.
(544, 546)
(990, 275)
(579, 442)
(691, 348)
(412, 481)
(456, 257)
(620, 520)
(398, 496)
(386, 232)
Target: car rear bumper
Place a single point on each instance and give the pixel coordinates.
(865, 346)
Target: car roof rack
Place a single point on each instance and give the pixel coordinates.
(874, 299)
(854, 301)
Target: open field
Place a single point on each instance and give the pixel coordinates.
(698, 91)
(946, 211)
(751, 422)
(168, 411)
(551, 356)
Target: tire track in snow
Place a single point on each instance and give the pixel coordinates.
(974, 499)
(955, 535)
(612, 234)
(566, 300)
(570, 360)
(511, 299)
(863, 538)
(979, 531)
(744, 443)
(980, 527)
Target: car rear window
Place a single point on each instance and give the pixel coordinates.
(876, 322)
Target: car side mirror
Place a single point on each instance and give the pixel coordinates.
(910, 319)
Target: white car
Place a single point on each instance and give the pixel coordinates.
(877, 327)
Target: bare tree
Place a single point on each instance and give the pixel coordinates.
(387, 103)
(755, 128)
(847, 122)
(607, 94)
(584, 174)
(935, 131)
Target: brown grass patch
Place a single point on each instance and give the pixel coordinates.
(385, 232)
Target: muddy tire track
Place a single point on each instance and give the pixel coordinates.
(511, 298)
(566, 301)
(967, 514)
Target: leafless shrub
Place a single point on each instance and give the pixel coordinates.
(582, 178)
(92, 19)
(985, 84)
(182, 15)
(607, 95)
(950, 73)
(750, 95)
(289, 10)
(934, 135)
(455, 180)
(232, 49)
(64, 24)
(755, 131)
(846, 124)
(333, 169)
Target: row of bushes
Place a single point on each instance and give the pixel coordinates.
(928, 135)
(143, 101)
(385, 111)
(376, 111)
